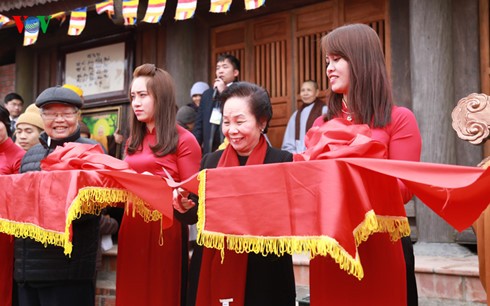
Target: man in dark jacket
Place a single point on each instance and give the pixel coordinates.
(44, 275)
(207, 128)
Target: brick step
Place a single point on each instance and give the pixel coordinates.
(440, 280)
(109, 260)
(105, 292)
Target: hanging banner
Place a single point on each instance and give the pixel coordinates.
(3, 20)
(185, 9)
(78, 19)
(220, 6)
(253, 4)
(130, 11)
(154, 11)
(106, 6)
(31, 30)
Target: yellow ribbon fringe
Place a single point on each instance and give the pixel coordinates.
(90, 200)
(397, 227)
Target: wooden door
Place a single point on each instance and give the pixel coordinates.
(280, 51)
(263, 48)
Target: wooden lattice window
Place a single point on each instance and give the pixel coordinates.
(311, 62)
(270, 67)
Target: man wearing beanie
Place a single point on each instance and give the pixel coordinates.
(186, 117)
(44, 274)
(28, 128)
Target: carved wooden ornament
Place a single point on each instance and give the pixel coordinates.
(471, 118)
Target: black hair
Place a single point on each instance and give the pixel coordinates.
(258, 100)
(5, 119)
(235, 62)
(12, 96)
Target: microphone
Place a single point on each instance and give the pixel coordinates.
(215, 92)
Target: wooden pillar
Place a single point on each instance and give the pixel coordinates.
(466, 54)
(432, 84)
(400, 52)
(25, 70)
(187, 58)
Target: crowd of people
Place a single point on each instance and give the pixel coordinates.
(153, 265)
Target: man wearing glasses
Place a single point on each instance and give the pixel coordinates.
(44, 275)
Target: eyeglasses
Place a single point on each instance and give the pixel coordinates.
(52, 116)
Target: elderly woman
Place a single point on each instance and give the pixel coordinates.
(10, 157)
(245, 279)
(28, 128)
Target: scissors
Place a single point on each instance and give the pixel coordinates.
(171, 179)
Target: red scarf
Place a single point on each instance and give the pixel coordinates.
(226, 280)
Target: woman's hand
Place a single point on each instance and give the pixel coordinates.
(181, 203)
(484, 163)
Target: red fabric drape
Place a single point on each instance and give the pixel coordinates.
(224, 280)
(340, 138)
(323, 213)
(331, 202)
(47, 201)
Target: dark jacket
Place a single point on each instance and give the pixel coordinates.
(270, 279)
(203, 128)
(41, 265)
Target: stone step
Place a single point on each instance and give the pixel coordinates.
(440, 280)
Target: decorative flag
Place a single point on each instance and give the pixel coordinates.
(105, 6)
(185, 9)
(3, 20)
(77, 21)
(253, 4)
(130, 11)
(154, 11)
(220, 6)
(31, 26)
